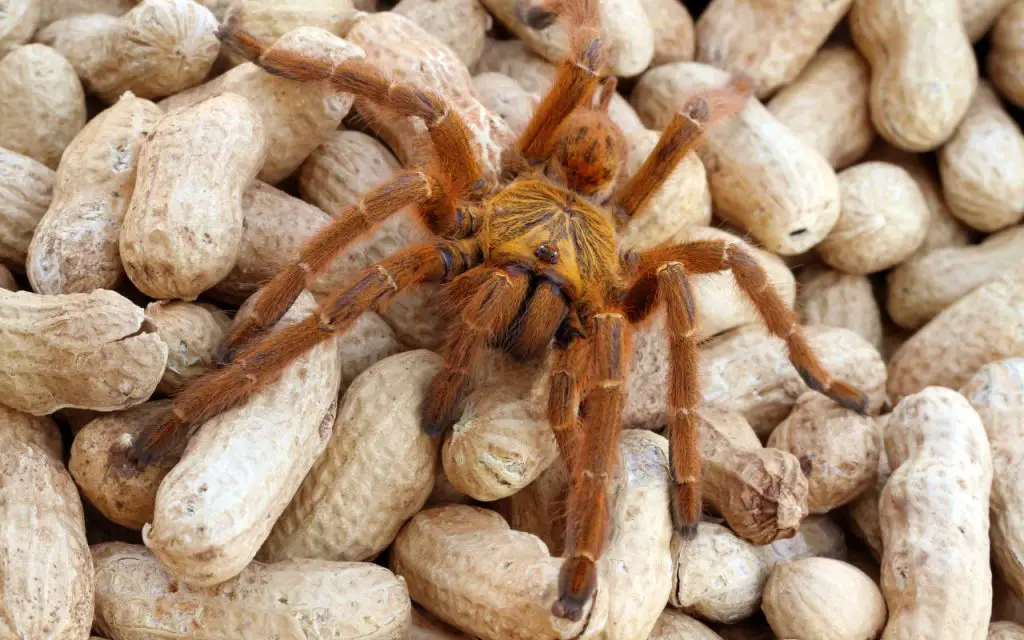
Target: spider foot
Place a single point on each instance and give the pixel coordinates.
(577, 583)
(686, 509)
(842, 393)
(440, 408)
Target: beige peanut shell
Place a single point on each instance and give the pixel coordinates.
(934, 513)
(674, 37)
(674, 625)
(762, 176)
(18, 22)
(823, 598)
(7, 280)
(271, 19)
(89, 351)
(59, 9)
(460, 24)
(1005, 630)
(978, 16)
(47, 579)
(136, 597)
(504, 96)
(834, 298)
(982, 165)
(1006, 57)
(193, 331)
(923, 70)
(826, 106)
(182, 231)
(376, 472)
(75, 248)
(769, 41)
(25, 194)
(239, 471)
(863, 517)
(818, 537)
(41, 93)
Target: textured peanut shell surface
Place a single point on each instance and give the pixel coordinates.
(26, 189)
(1007, 53)
(674, 625)
(377, 470)
(1005, 630)
(818, 537)
(674, 37)
(46, 574)
(136, 599)
(239, 471)
(460, 24)
(503, 95)
(58, 9)
(18, 23)
(831, 297)
(90, 351)
(978, 16)
(183, 229)
(193, 332)
(75, 248)
(271, 19)
(762, 176)
(934, 513)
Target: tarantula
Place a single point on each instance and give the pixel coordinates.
(529, 262)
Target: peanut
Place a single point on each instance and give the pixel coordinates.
(1007, 53)
(192, 332)
(505, 97)
(270, 20)
(218, 504)
(838, 299)
(1005, 631)
(157, 49)
(674, 37)
(26, 189)
(823, 598)
(863, 511)
(762, 176)
(818, 536)
(673, 625)
(47, 580)
(882, 222)
(90, 351)
(982, 165)
(978, 16)
(826, 106)
(918, 96)
(460, 24)
(75, 248)
(7, 280)
(934, 512)
(58, 9)
(137, 598)
(18, 22)
(376, 472)
(182, 231)
(41, 93)
(771, 42)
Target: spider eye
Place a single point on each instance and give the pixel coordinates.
(547, 253)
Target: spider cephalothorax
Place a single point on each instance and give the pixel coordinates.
(529, 262)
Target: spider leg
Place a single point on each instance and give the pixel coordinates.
(683, 134)
(532, 332)
(569, 377)
(262, 362)
(588, 492)
(484, 315)
(709, 256)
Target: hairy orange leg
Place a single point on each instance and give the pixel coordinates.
(569, 379)
(588, 511)
(261, 363)
(531, 334)
(709, 256)
(485, 316)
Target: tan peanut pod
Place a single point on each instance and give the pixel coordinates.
(26, 188)
(157, 49)
(75, 248)
(979, 15)
(539, 507)
(918, 95)
(997, 393)
(674, 37)
(297, 116)
(376, 472)
(59, 9)
(7, 280)
(818, 537)
(863, 517)
(504, 96)
(834, 298)
(684, 200)
(718, 575)
(47, 579)
(41, 93)
(636, 566)
(137, 599)
(88, 351)
(274, 227)
(837, 449)
(272, 19)
(883, 220)
(761, 493)
(826, 106)
(428, 627)
(1005, 630)
(934, 511)
(123, 493)
(625, 29)
(770, 42)
(673, 625)
(240, 470)
(922, 287)
(982, 165)
(762, 176)
(1007, 53)
(1006, 605)
(467, 567)
(983, 326)
(460, 24)
(18, 22)
(193, 332)
(407, 53)
(183, 229)
(823, 598)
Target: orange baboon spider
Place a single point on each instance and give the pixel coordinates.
(530, 262)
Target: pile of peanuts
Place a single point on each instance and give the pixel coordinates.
(150, 182)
